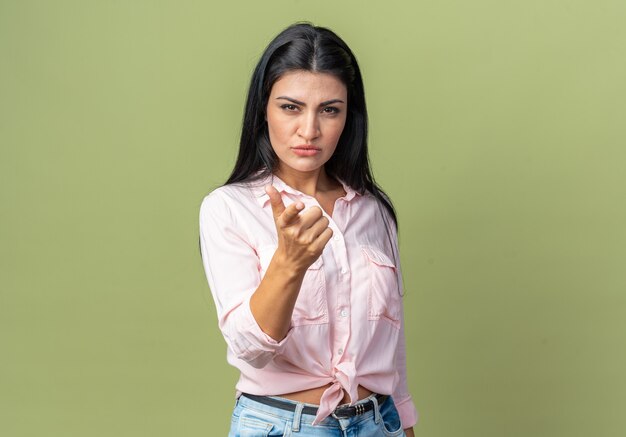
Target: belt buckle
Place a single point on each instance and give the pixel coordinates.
(360, 409)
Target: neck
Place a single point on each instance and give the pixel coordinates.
(310, 182)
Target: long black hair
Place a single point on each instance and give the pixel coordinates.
(303, 46)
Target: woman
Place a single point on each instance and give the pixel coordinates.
(300, 252)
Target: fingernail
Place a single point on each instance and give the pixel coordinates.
(299, 205)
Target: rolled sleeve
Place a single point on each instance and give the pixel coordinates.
(232, 268)
(254, 346)
(407, 412)
(404, 403)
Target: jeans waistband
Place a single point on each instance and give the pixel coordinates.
(341, 412)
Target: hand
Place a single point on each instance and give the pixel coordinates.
(409, 432)
(301, 237)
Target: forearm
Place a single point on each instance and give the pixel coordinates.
(273, 301)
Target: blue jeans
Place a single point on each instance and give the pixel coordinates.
(254, 419)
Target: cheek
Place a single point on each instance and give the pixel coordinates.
(278, 128)
(337, 129)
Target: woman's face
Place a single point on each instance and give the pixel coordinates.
(306, 110)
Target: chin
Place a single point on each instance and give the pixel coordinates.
(311, 166)
(303, 165)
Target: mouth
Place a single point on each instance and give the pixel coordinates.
(306, 150)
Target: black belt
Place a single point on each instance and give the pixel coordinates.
(341, 412)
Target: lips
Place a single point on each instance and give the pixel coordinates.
(305, 150)
(306, 147)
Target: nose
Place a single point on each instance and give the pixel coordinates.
(309, 128)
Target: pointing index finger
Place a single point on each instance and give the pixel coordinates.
(275, 200)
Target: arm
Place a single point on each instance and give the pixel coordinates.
(401, 396)
(301, 240)
(404, 403)
(255, 314)
(273, 302)
(232, 269)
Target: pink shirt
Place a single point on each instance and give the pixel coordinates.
(347, 326)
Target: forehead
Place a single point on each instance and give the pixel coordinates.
(303, 85)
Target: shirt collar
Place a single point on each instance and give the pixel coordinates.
(262, 197)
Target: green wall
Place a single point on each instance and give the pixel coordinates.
(496, 126)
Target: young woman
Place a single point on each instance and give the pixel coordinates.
(301, 255)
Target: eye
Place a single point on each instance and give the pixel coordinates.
(289, 107)
(332, 110)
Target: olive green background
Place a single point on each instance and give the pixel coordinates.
(496, 126)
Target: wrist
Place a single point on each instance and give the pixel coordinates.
(286, 266)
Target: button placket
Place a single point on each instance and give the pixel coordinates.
(342, 309)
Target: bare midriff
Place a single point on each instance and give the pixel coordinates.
(313, 396)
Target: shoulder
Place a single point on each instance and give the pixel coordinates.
(230, 201)
(227, 194)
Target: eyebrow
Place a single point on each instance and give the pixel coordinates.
(298, 102)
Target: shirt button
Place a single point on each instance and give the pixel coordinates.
(343, 313)
(344, 270)
(340, 351)
(336, 238)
